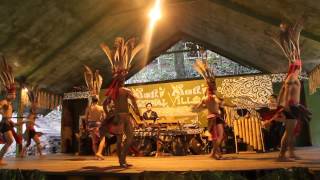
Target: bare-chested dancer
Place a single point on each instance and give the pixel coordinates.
(94, 114)
(31, 134)
(94, 117)
(120, 59)
(289, 98)
(212, 103)
(122, 115)
(30, 123)
(290, 103)
(6, 109)
(215, 121)
(105, 128)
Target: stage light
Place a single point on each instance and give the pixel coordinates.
(155, 12)
(154, 15)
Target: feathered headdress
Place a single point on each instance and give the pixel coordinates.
(7, 77)
(120, 59)
(202, 67)
(93, 81)
(33, 98)
(288, 41)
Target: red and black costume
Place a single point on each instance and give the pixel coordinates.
(7, 81)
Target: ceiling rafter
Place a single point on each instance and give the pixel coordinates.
(269, 20)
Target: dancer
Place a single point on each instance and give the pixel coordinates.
(289, 98)
(212, 103)
(6, 109)
(94, 112)
(30, 123)
(120, 59)
(106, 129)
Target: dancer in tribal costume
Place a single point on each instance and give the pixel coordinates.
(212, 103)
(120, 59)
(30, 132)
(290, 108)
(94, 113)
(7, 132)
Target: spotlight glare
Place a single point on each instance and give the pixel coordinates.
(155, 13)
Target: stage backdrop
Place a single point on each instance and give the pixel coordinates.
(173, 100)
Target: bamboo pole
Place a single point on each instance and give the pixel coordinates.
(20, 119)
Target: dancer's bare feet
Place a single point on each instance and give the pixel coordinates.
(125, 165)
(99, 156)
(282, 159)
(215, 156)
(158, 154)
(295, 157)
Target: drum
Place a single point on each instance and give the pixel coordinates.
(179, 145)
(145, 145)
(196, 146)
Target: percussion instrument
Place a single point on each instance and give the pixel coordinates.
(196, 145)
(179, 146)
(174, 141)
(247, 128)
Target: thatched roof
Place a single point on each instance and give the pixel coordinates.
(47, 42)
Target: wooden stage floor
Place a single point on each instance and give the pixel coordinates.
(310, 158)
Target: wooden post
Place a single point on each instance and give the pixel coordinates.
(20, 104)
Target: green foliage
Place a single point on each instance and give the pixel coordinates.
(279, 174)
(163, 68)
(17, 174)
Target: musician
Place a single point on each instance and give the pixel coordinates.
(149, 114)
(272, 134)
(276, 127)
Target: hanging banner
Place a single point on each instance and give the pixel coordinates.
(173, 100)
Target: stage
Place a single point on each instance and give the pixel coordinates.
(78, 166)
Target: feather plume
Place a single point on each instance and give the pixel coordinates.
(33, 95)
(202, 67)
(6, 76)
(288, 39)
(98, 82)
(93, 80)
(204, 70)
(88, 77)
(122, 55)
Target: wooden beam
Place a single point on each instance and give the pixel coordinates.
(269, 20)
(106, 13)
(85, 28)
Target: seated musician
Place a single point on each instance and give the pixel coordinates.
(276, 127)
(149, 114)
(274, 132)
